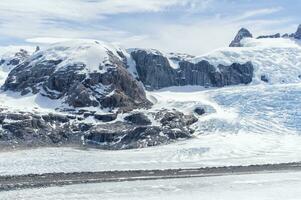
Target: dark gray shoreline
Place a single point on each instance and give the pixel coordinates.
(60, 179)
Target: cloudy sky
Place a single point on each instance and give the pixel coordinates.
(191, 26)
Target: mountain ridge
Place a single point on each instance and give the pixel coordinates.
(100, 93)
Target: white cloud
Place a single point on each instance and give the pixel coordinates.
(204, 35)
(258, 12)
(75, 18)
(84, 9)
(47, 21)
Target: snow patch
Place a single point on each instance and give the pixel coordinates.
(277, 58)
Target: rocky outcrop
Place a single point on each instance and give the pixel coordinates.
(23, 129)
(138, 119)
(97, 89)
(154, 69)
(156, 72)
(297, 35)
(56, 74)
(277, 35)
(11, 61)
(30, 130)
(174, 125)
(199, 111)
(242, 33)
(264, 78)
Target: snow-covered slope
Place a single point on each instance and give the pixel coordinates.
(263, 186)
(10, 56)
(81, 73)
(257, 124)
(278, 59)
(92, 53)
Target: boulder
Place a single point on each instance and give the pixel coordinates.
(264, 78)
(199, 111)
(174, 119)
(138, 119)
(105, 117)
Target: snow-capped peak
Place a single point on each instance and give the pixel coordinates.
(242, 33)
(298, 32)
(91, 53)
(276, 59)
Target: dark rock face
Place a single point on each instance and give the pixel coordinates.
(174, 125)
(27, 129)
(175, 119)
(264, 78)
(242, 33)
(199, 111)
(105, 117)
(115, 88)
(155, 72)
(269, 36)
(22, 129)
(18, 58)
(108, 85)
(297, 35)
(138, 119)
(154, 69)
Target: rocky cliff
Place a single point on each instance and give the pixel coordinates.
(297, 35)
(98, 93)
(242, 33)
(156, 72)
(81, 74)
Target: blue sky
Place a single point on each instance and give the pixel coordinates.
(191, 26)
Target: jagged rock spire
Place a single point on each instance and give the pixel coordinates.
(298, 33)
(242, 33)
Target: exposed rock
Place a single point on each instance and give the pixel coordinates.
(154, 69)
(269, 36)
(138, 132)
(242, 33)
(175, 120)
(297, 35)
(138, 119)
(13, 60)
(264, 78)
(155, 72)
(27, 129)
(180, 57)
(55, 117)
(105, 117)
(120, 135)
(80, 84)
(199, 111)
(33, 130)
(80, 96)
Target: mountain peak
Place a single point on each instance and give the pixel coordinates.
(298, 32)
(242, 33)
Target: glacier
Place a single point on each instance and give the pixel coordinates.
(243, 125)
